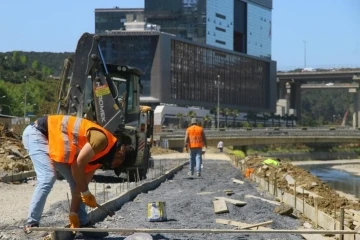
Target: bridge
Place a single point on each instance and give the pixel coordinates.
(175, 140)
(289, 85)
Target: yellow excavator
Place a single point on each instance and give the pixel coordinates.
(109, 95)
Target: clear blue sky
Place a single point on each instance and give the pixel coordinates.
(330, 28)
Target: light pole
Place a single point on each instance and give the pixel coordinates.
(304, 54)
(218, 102)
(25, 98)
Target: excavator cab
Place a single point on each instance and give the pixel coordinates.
(108, 94)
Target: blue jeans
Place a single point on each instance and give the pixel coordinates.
(195, 159)
(37, 147)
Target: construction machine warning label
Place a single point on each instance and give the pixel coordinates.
(102, 90)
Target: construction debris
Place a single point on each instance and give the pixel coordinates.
(220, 206)
(232, 201)
(262, 199)
(284, 209)
(241, 225)
(228, 192)
(237, 181)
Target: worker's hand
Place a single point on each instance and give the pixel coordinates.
(74, 220)
(88, 199)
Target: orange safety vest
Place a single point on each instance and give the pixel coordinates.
(67, 136)
(195, 136)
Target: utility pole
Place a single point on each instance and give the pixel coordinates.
(218, 103)
(304, 54)
(25, 98)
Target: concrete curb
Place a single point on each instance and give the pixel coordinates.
(18, 176)
(114, 204)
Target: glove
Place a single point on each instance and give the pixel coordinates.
(74, 220)
(88, 199)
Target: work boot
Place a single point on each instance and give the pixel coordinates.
(190, 174)
(81, 235)
(33, 234)
(198, 174)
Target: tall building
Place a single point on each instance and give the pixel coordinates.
(236, 25)
(114, 18)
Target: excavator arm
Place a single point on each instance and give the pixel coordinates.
(89, 67)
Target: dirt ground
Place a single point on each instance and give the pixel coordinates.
(329, 198)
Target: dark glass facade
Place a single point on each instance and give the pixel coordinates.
(184, 18)
(113, 19)
(196, 72)
(132, 50)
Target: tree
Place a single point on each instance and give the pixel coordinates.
(226, 113)
(206, 119)
(180, 116)
(23, 60)
(234, 114)
(35, 65)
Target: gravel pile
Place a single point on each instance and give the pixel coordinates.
(186, 208)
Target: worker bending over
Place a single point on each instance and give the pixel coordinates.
(75, 147)
(195, 140)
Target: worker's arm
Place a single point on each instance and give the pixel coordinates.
(204, 138)
(186, 140)
(78, 167)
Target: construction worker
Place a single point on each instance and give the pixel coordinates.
(74, 147)
(195, 140)
(272, 162)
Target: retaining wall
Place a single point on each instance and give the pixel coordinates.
(318, 217)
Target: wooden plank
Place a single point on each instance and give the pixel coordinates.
(263, 199)
(220, 206)
(237, 181)
(233, 201)
(243, 225)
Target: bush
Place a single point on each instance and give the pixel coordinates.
(239, 153)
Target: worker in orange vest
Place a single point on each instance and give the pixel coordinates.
(74, 147)
(195, 140)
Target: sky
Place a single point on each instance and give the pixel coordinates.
(331, 28)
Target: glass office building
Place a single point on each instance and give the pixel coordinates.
(183, 72)
(113, 18)
(238, 25)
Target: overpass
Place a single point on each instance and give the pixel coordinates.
(289, 85)
(244, 137)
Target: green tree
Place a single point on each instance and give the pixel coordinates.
(23, 60)
(234, 114)
(207, 120)
(191, 114)
(35, 65)
(180, 116)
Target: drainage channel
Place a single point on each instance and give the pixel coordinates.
(337, 179)
(189, 205)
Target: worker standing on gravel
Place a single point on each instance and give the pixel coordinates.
(75, 147)
(195, 140)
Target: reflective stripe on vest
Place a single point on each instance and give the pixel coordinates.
(195, 137)
(67, 136)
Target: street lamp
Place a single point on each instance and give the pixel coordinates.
(218, 110)
(25, 98)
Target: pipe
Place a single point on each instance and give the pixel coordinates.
(154, 230)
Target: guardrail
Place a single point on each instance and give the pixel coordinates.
(268, 133)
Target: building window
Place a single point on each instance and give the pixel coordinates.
(220, 42)
(220, 16)
(220, 29)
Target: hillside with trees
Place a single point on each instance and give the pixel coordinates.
(28, 73)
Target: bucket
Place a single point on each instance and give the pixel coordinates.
(156, 211)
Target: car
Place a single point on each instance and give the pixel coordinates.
(329, 84)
